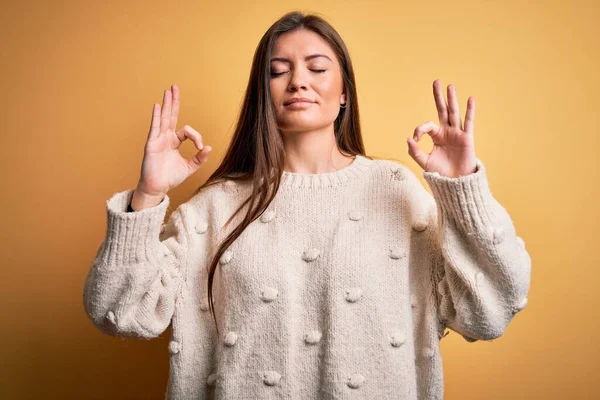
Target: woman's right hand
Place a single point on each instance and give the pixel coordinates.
(163, 167)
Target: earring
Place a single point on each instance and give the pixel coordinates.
(343, 105)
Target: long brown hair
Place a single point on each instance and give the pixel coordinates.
(256, 149)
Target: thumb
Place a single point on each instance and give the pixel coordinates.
(416, 153)
(199, 159)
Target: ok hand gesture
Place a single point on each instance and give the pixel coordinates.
(163, 166)
(453, 153)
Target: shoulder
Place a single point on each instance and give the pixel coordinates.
(406, 187)
(396, 172)
(208, 204)
(223, 187)
(223, 193)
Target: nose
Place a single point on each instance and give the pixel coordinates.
(298, 79)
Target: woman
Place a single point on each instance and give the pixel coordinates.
(302, 268)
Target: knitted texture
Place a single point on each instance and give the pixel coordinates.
(341, 289)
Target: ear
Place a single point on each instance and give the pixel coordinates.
(343, 99)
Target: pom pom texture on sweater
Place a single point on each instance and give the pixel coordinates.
(341, 289)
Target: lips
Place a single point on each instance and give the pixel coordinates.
(297, 99)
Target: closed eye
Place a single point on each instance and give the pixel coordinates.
(319, 71)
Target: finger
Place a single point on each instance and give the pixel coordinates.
(199, 159)
(429, 128)
(155, 122)
(416, 153)
(187, 131)
(175, 109)
(470, 115)
(440, 102)
(165, 119)
(453, 111)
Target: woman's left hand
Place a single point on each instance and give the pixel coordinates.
(453, 153)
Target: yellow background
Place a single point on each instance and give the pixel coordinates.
(79, 80)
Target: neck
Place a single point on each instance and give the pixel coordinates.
(313, 152)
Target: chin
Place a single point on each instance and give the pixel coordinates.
(299, 127)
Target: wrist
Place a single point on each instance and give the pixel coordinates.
(141, 200)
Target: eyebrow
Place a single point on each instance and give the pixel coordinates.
(307, 58)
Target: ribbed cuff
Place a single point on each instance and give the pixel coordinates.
(466, 199)
(132, 237)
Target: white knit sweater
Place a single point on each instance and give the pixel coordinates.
(342, 289)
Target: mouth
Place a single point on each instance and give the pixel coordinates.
(299, 104)
(299, 100)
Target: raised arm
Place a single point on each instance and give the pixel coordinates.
(481, 269)
(133, 282)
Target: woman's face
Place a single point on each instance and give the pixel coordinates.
(304, 65)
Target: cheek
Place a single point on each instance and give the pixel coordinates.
(273, 90)
(329, 90)
(276, 92)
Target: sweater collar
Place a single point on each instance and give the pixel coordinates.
(327, 179)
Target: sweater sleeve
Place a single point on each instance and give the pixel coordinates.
(481, 269)
(134, 279)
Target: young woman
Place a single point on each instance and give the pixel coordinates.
(303, 268)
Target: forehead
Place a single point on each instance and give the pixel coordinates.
(301, 43)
